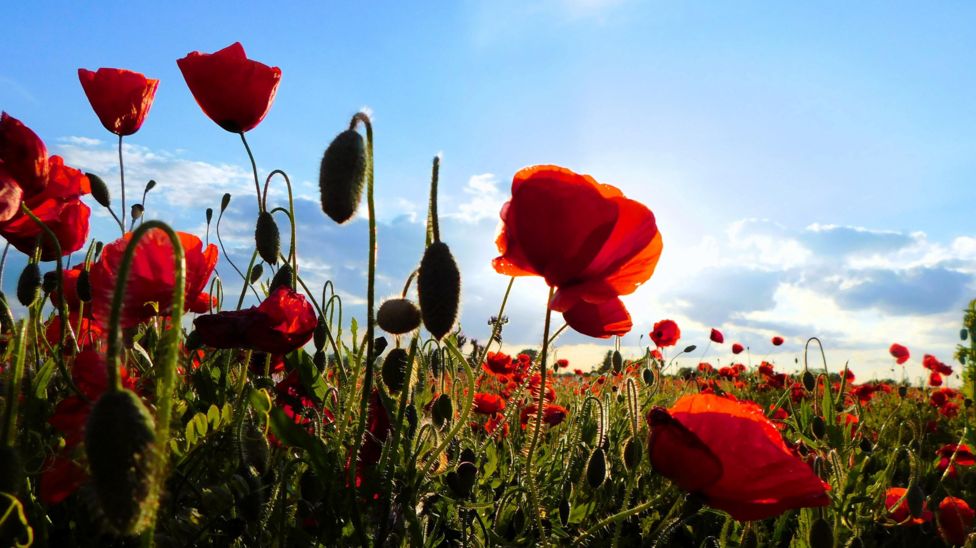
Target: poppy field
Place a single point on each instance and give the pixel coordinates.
(145, 405)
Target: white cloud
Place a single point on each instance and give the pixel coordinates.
(483, 200)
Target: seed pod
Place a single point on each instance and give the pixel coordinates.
(461, 481)
(267, 238)
(121, 446)
(136, 211)
(398, 316)
(916, 500)
(439, 289)
(28, 284)
(282, 278)
(320, 334)
(49, 282)
(256, 272)
(320, 360)
(617, 361)
(648, 377)
(12, 472)
(632, 453)
(596, 468)
(99, 190)
(395, 369)
(809, 381)
(342, 175)
(818, 426)
(83, 287)
(821, 534)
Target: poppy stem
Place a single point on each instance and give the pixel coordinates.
(293, 248)
(254, 168)
(539, 412)
(434, 224)
(122, 184)
(9, 437)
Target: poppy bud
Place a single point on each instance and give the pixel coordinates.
(963, 333)
(618, 361)
(411, 414)
(319, 360)
(150, 185)
(252, 503)
(98, 248)
(818, 426)
(121, 444)
(596, 468)
(443, 410)
(968, 402)
(435, 363)
(99, 190)
(342, 175)
(648, 376)
(83, 287)
(267, 238)
(136, 211)
(395, 369)
(821, 534)
(916, 501)
(320, 334)
(49, 282)
(866, 445)
(224, 201)
(282, 278)
(903, 390)
(28, 284)
(809, 381)
(379, 345)
(256, 272)
(564, 509)
(461, 481)
(633, 451)
(749, 539)
(209, 215)
(398, 316)
(467, 455)
(689, 349)
(12, 472)
(439, 289)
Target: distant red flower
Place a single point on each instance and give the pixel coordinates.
(899, 352)
(716, 336)
(61, 477)
(234, 91)
(950, 410)
(121, 98)
(298, 405)
(592, 258)
(899, 511)
(151, 276)
(498, 364)
(935, 379)
(665, 333)
(964, 457)
(848, 375)
(733, 456)
(495, 422)
(737, 348)
(552, 414)
(933, 364)
(90, 375)
(705, 367)
(940, 397)
(488, 404)
(281, 323)
(777, 340)
(562, 363)
(955, 520)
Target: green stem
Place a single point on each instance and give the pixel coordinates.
(9, 437)
(539, 412)
(122, 184)
(254, 168)
(293, 248)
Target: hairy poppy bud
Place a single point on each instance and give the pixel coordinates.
(648, 377)
(866, 445)
(319, 360)
(818, 426)
(136, 211)
(435, 363)
(461, 481)
(256, 272)
(443, 410)
(83, 287)
(809, 381)
(398, 316)
(267, 238)
(963, 333)
(121, 444)
(209, 214)
(632, 453)
(312, 487)
(439, 289)
(224, 201)
(916, 501)
(411, 414)
(564, 509)
(821, 534)
(28, 284)
(12, 472)
(49, 282)
(395, 369)
(320, 334)
(99, 190)
(342, 175)
(282, 278)
(596, 468)
(193, 341)
(379, 345)
(617, 361)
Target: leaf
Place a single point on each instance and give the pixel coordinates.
(42, 379)
(309, 374)
(260, 400)
(291, 434)
(199, 423)
(213, 416)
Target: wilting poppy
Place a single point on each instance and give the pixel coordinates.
(733, 456)
(899, 352)
(716, 336)
(955, 520)
(149, 290)
(665, 333)
(737, 348)
(234, 91)
(281, 323)
(121, 98)
(777, 340)
(900, 512)
(488, 404)
(585, 238)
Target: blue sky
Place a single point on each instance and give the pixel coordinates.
(811, 167)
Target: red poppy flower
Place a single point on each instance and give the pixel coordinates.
(493, 424)
(737, 348)
(281, 323)
(234, 91)
(716, 336)
(899, 511)
(91, 377)
(899, 352)
(955, 520)
(552, 414)
(848, 375)
(149, 290)
(498, 364)
(488, 404)
(585, 238)
(61, 477)
(964, 457)
(935, 379)
(121, 98)
(733, 456)
(777, 340)
(665, 333)
(23, 155)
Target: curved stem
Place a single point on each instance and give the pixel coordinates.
(293, 248)
(122, 183)
(254, 168)
(434, 179)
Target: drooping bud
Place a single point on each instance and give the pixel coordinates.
(282, 278)
(439, 289)
(224, 201)
(564, 509)
(818, 426)
(99, 190)
(632, 453)
(83, 287)
(689, 349)
(136, 211)
(256, 272)
(461, 481)
(596, 468)
(648, 377)
(209, 215)
(916, 500)
(617, 361)
(28, 284)
(443, 410)
(121, 444)
(398, 316)
(342, 175)
(395, 369)
(320, 334)
(319, 360)
(150, 185)
(809, 381)
(49, 282)
(267, 238)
